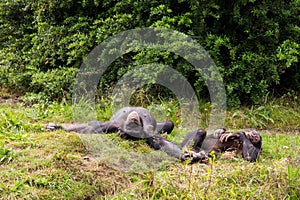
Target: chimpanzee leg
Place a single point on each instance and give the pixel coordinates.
(165, 127)
(194, 139)
(159, 143)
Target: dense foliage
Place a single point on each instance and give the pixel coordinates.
(255, 44)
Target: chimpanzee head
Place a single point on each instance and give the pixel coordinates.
(135, 126)
(254, 137)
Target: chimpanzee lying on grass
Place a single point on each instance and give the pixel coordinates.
(138, 123)
(247, 143)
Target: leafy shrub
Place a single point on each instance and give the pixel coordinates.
(255, 44)
(54, 84)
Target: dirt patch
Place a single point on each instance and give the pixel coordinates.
(14, 100)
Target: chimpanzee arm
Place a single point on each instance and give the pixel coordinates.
(165, 127)
(92, 127)
(105, 127)
(230, 136)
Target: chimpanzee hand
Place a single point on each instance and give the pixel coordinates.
(229, 136)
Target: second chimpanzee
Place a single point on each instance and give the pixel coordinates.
(248, 143)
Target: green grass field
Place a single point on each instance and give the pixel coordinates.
(57, 165)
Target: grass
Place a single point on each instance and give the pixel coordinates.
(35, 164)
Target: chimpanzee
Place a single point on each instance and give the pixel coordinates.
(138, 123)
(248, 143)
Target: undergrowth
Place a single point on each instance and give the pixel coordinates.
(36, 164)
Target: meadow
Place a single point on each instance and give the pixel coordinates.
(36, 164)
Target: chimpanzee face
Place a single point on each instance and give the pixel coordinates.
(134, 126)
(133, 117)
(253, 136)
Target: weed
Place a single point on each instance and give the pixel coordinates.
(6, 155)
(10, 121)
(260, 116)
(293, 182)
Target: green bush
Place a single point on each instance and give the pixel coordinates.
(56, 84)
(255, 44)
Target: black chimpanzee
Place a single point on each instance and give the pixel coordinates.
(248, 143)
(138, 123)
